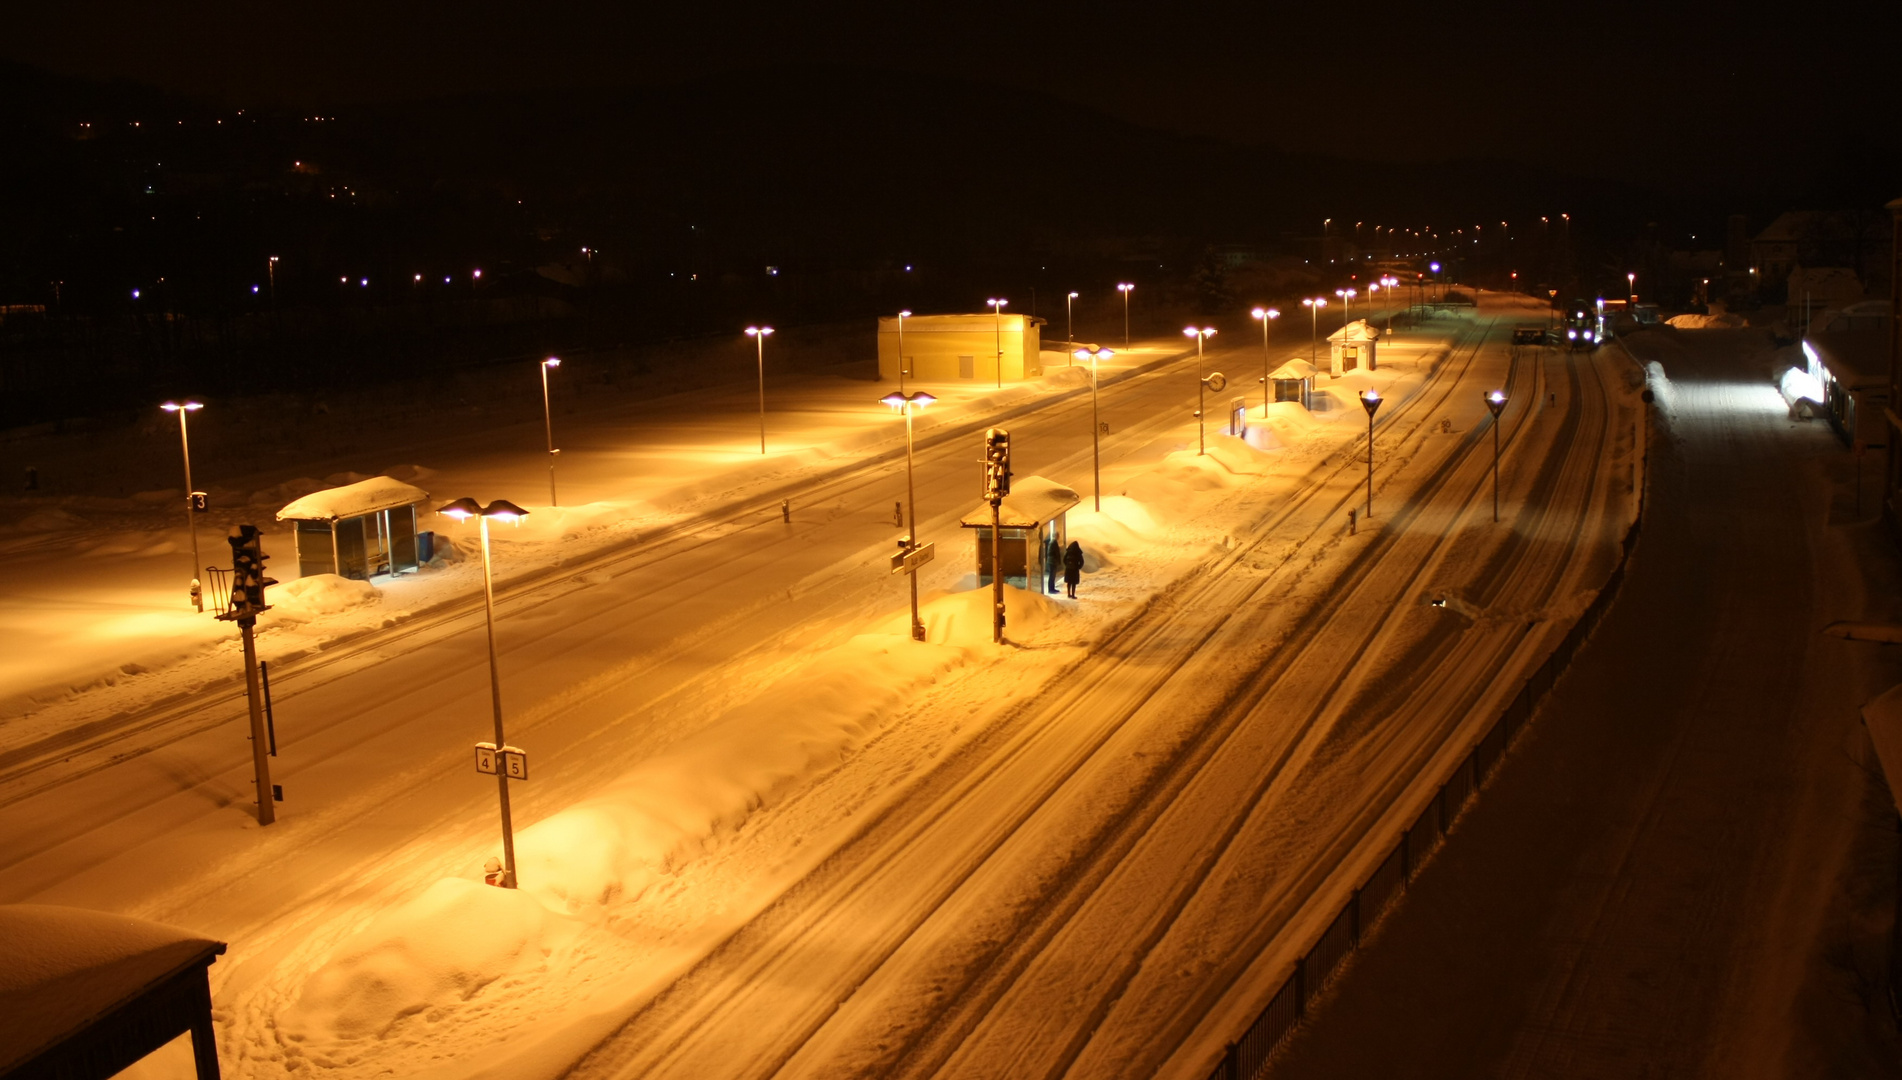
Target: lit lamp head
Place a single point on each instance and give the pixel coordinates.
(904, 314)
(1370, 400)
(917, 399)
(1264, 314)
(1496, 401)
(1435, 267)
(1198, 332)
(1094, 354)
(1125, 287)
(759, 331)
(552, 362)
(1073, 296)
(465, 508)
(996, 303)
(182, 406)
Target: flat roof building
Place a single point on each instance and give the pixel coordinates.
(961, 348)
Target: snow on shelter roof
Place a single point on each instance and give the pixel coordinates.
(1358, 330)
(1032, 501)
(67, 968)
(353, 500)
(1294, 369)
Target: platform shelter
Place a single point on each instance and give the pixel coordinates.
(1352, 347)
(1293, 381)
(358, 530)
(1033, 521)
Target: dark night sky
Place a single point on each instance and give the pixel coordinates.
(1682, 92)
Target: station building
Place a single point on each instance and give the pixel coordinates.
(961, 348)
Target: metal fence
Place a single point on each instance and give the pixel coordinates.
(1247, 1057)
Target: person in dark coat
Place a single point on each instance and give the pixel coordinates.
(1072, 567)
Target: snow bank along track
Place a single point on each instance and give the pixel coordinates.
(96, 744)
(1083, 828)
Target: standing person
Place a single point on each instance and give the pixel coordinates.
(1072, 567)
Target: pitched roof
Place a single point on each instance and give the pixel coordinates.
(353, 500)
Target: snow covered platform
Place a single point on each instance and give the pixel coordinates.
(86, 994)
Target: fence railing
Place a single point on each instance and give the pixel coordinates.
(1247, 1057)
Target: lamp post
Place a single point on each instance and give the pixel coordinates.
(548, 423)
(1096, 426)
(997, 320)
(1496, 404)
(1347, 305)
(1370, 400)
(1125, 288)
(1266, 315)
(909, 404)
(184, 408)
(1631, 288)
(1314, 306)
(759, 335)
(1069, 319)
(461, 510)
(1201, 386)
(271, 269)
(902, 316)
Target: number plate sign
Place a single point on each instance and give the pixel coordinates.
(515, 762)
(485, 758)
(909, 561)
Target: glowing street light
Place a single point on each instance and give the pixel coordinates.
(997, 318)
(502, 509)
(548, 422)
(1347, 304)
(271, 269)
(909, 404)
(183, 409)
(1096, 425)
(1370, 400)
(1266, 315)
(1125, 288)
(1631, 282)
(1495, 404)
(1201, 385)
(1069, 322)
(759, 335)
(902, 316)
(1314, 306)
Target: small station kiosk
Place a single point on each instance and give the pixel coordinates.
(359, 530)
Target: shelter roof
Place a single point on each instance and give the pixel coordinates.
(67, 968)
(1296, 368)
(1358, 330)
(353, 500)
(1032, 501)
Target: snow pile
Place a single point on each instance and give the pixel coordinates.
(319, 594)
(441, 948)
(1124, 525)
(963, 618)
(1725, 321)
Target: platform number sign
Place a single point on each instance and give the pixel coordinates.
(509, 761)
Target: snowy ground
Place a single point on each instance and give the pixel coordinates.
(766, 832)
(1688, 866)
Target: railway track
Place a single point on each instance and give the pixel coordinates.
(664, 1037)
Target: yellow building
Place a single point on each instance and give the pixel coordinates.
(953, 348)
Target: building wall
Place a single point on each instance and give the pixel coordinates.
(936, 344)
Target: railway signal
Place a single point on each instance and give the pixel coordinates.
(246, 604)
(996, 486)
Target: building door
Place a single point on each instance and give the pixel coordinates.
(967, 367)
(352, 557)
(402, 539)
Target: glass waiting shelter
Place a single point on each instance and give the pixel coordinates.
(359, 530)
(1032, 521)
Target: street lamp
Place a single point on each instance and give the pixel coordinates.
(1314, 306)
(271, 269)
(1631, 282)
(1496, 404)
(1266, 315)
(1069, 321)
(1201, 386)
(1125, 288)
(1096, 426)
(1370, 400)
(909, 404)
(997, 318)
(1347, 305)
(759, 334)
(902, 316)
(462, 510)
(183, 408)
(548, 422)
